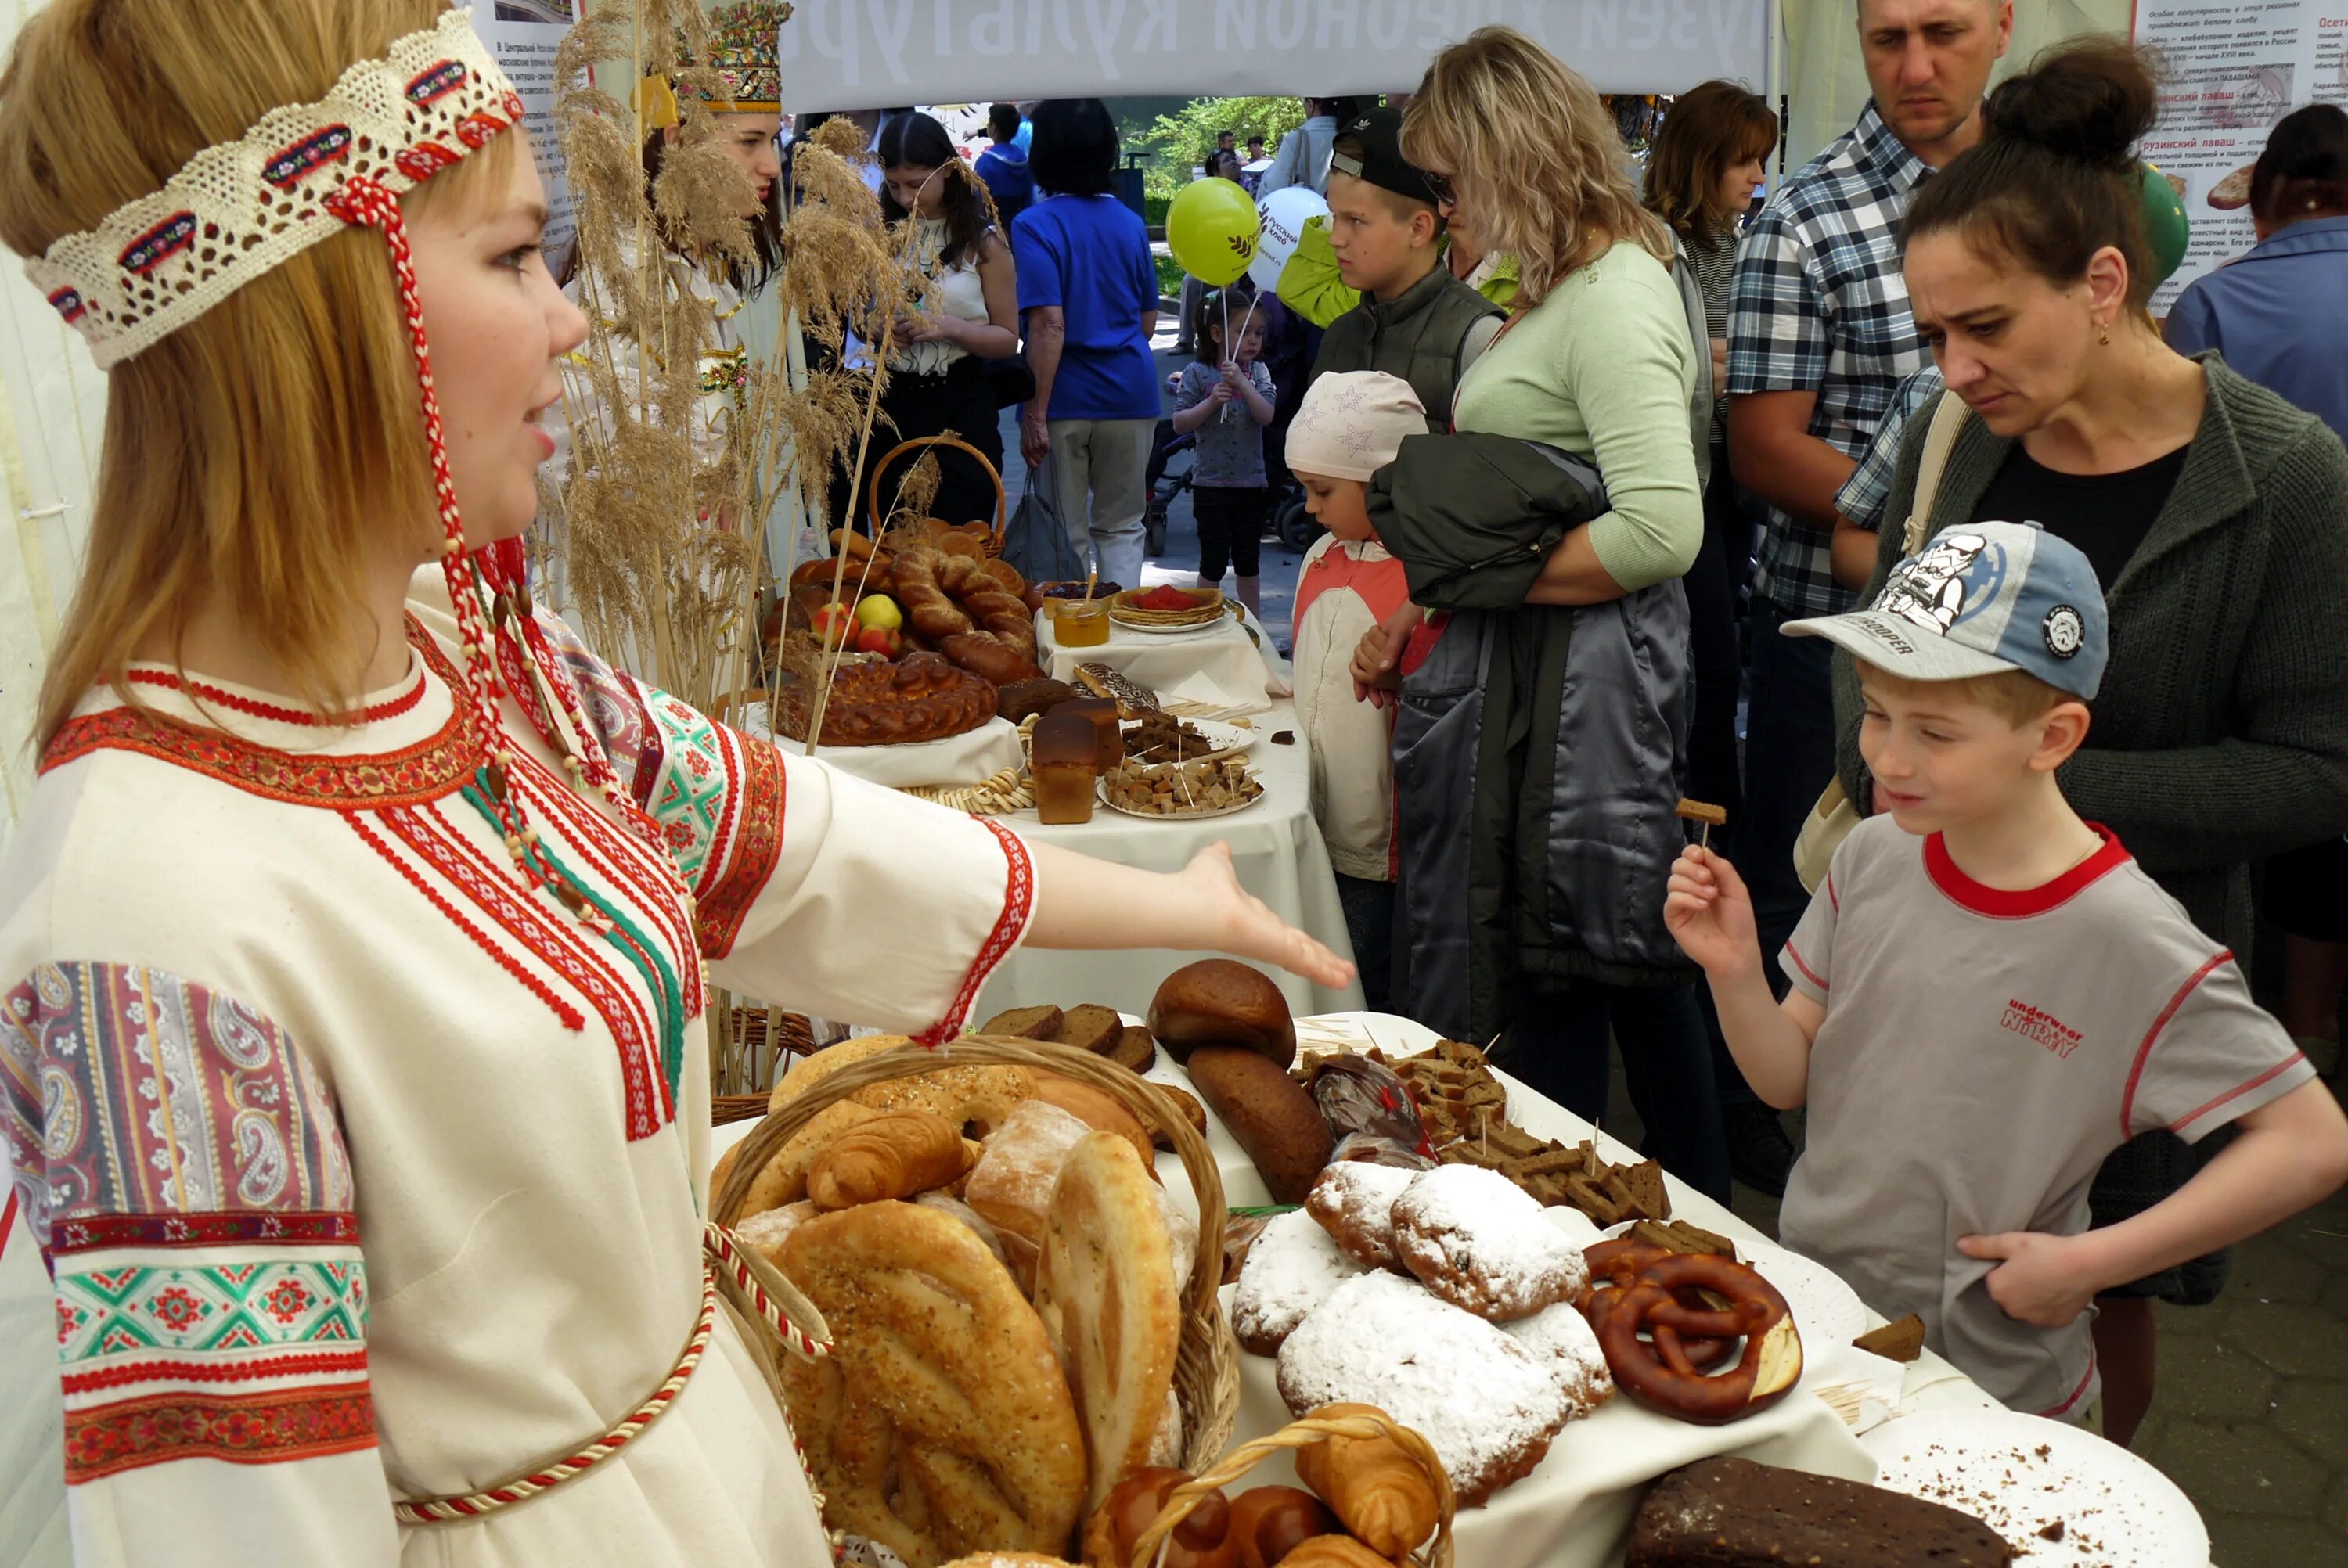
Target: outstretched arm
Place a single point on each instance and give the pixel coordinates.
(1086, 904)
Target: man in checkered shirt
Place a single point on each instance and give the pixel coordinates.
(1818, 337)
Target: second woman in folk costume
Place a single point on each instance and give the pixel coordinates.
(743, 57)
(355, 942)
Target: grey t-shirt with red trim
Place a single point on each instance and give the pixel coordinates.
(1982, 1051)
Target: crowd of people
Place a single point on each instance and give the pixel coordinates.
(2033, 663)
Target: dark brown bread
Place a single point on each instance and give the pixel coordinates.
(1735, 1514)
(1272, 1119)
(1028, 1023)
(1089, 1027)
(1218, 1001)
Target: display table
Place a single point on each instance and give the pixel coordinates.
(1275, 846)
(1227, 659)
(1574, 1510)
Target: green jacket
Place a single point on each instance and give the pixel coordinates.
(2221, 734)
(1428, 334)
(1310, 286)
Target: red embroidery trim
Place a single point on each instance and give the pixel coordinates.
(241, 1429)
(215, 695)
(621, 862)
(433, 767)
(94, 1233)
(713, 864)
(296, 1364)
(1019, 905)
(572, 1019)
(762, 790)
(455, 857)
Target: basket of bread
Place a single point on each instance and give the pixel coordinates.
(1021, 1315)
(990, 540)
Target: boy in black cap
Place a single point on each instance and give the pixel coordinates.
(1384, 241)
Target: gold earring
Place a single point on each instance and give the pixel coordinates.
(2104, 336)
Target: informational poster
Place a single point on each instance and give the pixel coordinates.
(524, 35)
(868, 54)
(2233, 68)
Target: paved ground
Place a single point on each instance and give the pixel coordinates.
(2251, 1415)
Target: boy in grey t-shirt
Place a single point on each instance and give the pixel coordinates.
(1989, 995)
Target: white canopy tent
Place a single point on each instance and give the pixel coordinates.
(53, 403)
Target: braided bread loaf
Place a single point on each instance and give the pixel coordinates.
(968, 612)
(919, 698)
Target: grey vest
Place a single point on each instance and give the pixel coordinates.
(1415, 335)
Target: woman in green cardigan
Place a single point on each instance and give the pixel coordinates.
(2211, 509)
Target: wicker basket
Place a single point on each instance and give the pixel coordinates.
(1206, 1366)
(994, 542)
(1436, 1553)
(1124, 610)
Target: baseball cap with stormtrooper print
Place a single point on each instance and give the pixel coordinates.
(1978, 599)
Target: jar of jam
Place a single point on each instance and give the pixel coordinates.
(1080, 623)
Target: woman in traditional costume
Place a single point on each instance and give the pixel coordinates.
(354, 943)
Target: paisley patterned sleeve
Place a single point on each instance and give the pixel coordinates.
(792, 863)
(182, 1166)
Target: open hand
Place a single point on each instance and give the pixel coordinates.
(1246, 927)
(2038, 1278)
(1709, 913)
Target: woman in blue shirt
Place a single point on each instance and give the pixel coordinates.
(1088, 297)
(2278, 316)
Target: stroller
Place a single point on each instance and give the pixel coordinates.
(1287, 518)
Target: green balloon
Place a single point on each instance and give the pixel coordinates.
(1211, 227)
(2166, 227)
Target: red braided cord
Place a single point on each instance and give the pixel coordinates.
(720, 1242)
(472, 1504)
(367, 203)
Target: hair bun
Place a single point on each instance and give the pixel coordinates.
(2090, 99)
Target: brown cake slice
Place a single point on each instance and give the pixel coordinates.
(1735, 1514)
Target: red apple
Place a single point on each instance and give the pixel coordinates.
(880, 640)
(835, 624)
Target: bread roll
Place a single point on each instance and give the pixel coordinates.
(1067, 761)
(1217, 1001)
(1272, 1119)
(1097, 1109)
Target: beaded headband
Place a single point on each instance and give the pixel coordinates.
(237, 210)
(303, 173)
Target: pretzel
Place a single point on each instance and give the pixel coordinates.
(1614, 1266)
(1663, 1376)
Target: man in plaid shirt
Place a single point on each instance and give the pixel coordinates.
(1818, 337)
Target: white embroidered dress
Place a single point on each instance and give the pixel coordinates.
(362, 1171)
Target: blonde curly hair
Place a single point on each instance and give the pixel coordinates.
(1533, 155)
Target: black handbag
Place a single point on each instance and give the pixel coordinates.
(1009, 381)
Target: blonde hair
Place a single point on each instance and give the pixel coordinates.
(254, 455)
(1534, 155)
(2015, 696)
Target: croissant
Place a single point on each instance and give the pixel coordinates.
(894, 1155)
(1378, 1491)
(923, 598)
(1334, 1551)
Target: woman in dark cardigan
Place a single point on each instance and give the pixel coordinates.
(2212, 509)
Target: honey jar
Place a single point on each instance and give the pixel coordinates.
(1080, 623)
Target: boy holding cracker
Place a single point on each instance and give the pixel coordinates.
(1988, 995)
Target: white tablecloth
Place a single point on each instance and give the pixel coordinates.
(1229, 657)
(1574, 1510)
(1276, 847)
